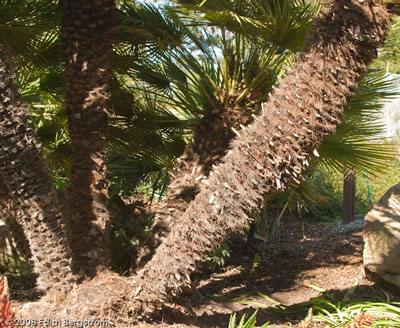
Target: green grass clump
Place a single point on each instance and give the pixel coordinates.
(333, 314)
(251, 323)
(360, 314)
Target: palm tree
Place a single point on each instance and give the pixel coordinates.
(187, 83)
(40, 75)
(223, 91)
(28, 194)
(30, 187)
(358, 143)
(196, 88)
(264, 157)
(272, 152)
(86, 36)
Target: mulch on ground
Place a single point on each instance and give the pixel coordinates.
(306, 261)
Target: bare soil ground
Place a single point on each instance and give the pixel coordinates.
(306, 261)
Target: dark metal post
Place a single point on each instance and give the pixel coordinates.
(349, 196)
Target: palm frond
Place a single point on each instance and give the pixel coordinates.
(359, 142)
(283, 23)
(21, 22)
(140, 23)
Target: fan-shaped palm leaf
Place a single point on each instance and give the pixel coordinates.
(358, 142)
(281, 22)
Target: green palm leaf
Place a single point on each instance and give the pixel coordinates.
(283, 23)
(358, 142)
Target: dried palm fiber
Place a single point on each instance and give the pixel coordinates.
(30, 187)
(210, 143)
(86, 39)
(269, 154)
(8, 215)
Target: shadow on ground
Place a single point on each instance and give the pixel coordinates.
(316, 261)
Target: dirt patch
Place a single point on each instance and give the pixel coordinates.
(304, 262)
(307, 261)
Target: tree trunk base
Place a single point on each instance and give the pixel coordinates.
(100, 299)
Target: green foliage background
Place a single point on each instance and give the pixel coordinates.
(391, 53)
(330, 185)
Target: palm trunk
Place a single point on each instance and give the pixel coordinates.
(272, 152)
(87, 45)
(30, 187)
(8, 215)
(210, 143)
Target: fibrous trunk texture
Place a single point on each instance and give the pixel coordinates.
(9, 216)
(210, 143)
(87, 45)
(30, 187)
(271, 153)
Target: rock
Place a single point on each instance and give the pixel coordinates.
(382, 239)
(353, 226)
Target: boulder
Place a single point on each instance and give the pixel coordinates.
(382, 239)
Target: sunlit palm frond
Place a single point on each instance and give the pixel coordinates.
(358, 142)
(139, 23)
(21, 22)
(283, 23)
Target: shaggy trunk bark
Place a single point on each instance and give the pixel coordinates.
(210, 143)
(87, 44)
(30, 187)
(272, 152)
(8, 215)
